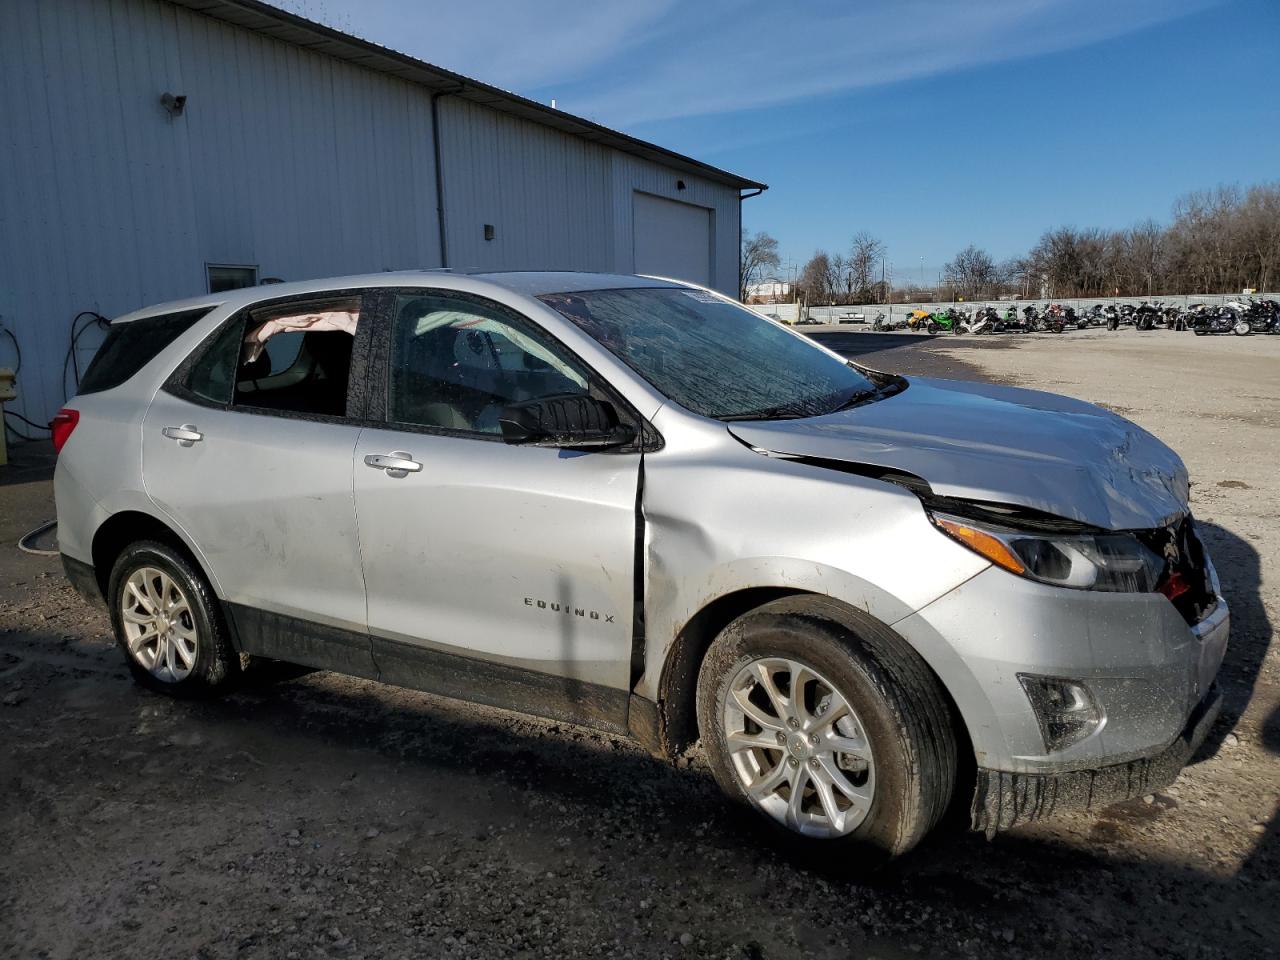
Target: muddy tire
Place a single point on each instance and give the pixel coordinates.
(898, 725)
(168, 623)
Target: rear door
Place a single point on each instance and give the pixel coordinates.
(479, 551)
(249, 449)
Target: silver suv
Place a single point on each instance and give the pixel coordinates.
(634, 504)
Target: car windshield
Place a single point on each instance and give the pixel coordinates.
(712, 356)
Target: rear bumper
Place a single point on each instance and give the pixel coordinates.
(1002, 800)
(83, 577)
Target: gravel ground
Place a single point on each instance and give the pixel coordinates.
(310, 815)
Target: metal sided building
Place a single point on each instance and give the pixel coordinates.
(156, 149)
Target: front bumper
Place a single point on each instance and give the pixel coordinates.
(1002, 800)
(1146, 668)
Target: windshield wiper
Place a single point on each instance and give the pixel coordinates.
(859, 397)
(856, 399)
(794, 411)
(782, 412)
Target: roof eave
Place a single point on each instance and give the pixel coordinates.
(307, 34)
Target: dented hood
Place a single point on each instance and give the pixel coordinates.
(999, 444)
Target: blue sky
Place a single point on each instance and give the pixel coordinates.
(930, 123)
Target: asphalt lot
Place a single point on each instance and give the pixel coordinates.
(311, 815)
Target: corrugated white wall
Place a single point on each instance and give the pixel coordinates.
(289, 160)
(556, 201)
(301, 164)
(631, 174)
(545, 193)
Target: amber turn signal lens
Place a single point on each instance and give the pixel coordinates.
(982, 543)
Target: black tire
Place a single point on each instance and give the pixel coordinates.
(932, 328)
(217, 664)
(904, 714)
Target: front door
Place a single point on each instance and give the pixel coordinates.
(249, 450)
(486, 562)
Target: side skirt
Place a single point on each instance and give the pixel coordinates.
(308, 644)
(501, 685)
(280, 637)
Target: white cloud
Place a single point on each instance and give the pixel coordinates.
(625, 62)
(823, 49)
(514, 44)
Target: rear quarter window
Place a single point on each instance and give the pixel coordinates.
(129, 347)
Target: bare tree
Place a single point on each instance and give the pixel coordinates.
(759, 256)
(1220, 240)
(1011, 276)
(818, 279)
(841, 279)
(972, 273)
(863, 266)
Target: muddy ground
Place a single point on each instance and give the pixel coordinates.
(311, 815)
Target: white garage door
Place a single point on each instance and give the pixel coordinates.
(672, 239)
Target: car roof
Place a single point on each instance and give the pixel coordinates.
(530, 283)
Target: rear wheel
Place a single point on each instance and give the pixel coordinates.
(1242, 328)
(167, 623)
(837, 738)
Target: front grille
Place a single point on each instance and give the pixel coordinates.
(1186, 564)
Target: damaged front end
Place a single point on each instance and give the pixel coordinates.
(1083, 660)
(1050, 455)
(1169, 560)
(1003, 799)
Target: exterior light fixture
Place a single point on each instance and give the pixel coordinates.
(175, 103)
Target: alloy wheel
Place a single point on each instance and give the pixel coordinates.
(798, 749)
(159, 625)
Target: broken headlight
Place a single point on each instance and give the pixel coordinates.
(1116, 562)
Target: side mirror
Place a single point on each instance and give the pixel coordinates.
(568, 421)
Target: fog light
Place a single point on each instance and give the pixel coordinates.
(1065, 709)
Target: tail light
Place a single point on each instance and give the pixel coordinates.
(1174, 585)
(63, 422)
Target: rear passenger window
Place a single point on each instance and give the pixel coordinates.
(294, 357)
(129, 347)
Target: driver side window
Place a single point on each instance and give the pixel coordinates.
(456, 362)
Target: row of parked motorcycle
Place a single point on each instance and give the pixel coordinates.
(1241, 317)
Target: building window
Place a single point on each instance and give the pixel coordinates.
(226, 277)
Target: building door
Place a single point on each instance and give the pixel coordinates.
(672, 239)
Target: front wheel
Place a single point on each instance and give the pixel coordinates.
(837, 737)
(1242, 328)
(932, 328)
(167, 623)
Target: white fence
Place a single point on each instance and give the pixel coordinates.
(791, 313)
